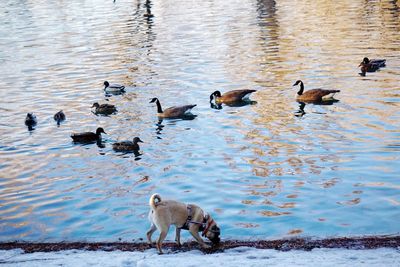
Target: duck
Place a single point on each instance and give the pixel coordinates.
(128, 145)
(313, 95)
(88, 136)
(172, 112)
(113, 88)
(30, 120)
(231, 96)
(59, 116)
(103, 108)
(371, 65)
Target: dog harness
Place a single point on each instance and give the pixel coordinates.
(204, 226)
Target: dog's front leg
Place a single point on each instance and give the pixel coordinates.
(195, 234)
(178, 236)
(149, 233)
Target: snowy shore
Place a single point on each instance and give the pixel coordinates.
(240, 256)
(355, 251)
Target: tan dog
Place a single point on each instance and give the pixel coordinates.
(164, 213)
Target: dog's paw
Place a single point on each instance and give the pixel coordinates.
(205, 246)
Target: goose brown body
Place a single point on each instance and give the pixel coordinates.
(88, 136)
(172, 112)
(231, 96)
(128, 145)
(313, 95)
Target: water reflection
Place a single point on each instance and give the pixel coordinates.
(148, 14)
(85, 143)
(301, 112)
(233, 104)
(258, 162)
(126, 154)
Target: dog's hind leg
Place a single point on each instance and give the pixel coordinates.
(178, 236)
(149, 233)
(163, 235)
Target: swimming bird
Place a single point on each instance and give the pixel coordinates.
(30, 120)
(313, 95)
(231, 96)
(172, 112)
(128, 145)
(113, 88)
(371, 65)
(59, 116)
(88, 136)
(104, 108)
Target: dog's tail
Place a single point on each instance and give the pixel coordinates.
(154, 200)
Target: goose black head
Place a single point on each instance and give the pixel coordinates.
(100, 130)
(106, 84)
(297, 82)
(216, 94)
(153, 100)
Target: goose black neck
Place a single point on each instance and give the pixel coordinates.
(300, 92)
(159, 109)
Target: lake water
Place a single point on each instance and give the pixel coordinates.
(263, 170)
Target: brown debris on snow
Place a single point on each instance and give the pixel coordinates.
(369, 242)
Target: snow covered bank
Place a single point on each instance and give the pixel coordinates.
(240, 256)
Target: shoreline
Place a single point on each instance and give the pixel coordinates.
(307, 244)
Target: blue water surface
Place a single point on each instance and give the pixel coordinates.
(264, 170)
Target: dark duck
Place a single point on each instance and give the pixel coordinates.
(371, 65)
(88, 136)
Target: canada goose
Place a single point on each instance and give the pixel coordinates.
(231, 96)
(313, 95)
(59, 116)
(104, 108)
(88, 136)
(172, 112)
(30, 120)
(113, 88)
(128, 145)
(371, 65)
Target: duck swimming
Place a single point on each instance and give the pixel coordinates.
(371, 65)
(59, 116)
(88, 136)
(313, 95)
(113, 88)
(104, 108)
(30, 120)
(231, 96)
(172, 112)
(127, 145)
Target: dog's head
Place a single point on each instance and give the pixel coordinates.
(212, 231)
